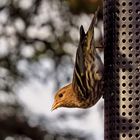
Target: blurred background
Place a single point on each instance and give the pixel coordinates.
(38, 42)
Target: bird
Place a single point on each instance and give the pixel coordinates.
(86, 87)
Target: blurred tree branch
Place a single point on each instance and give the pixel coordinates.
(29, 32)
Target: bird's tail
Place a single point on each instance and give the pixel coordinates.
(90, 32)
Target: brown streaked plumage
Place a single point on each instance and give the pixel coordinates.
(86, 86)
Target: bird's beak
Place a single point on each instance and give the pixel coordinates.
(55, 106)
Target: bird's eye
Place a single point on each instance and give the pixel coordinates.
(60, 95)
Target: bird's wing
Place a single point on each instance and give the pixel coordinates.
(79, 77)
(99, 68)
(79, 69)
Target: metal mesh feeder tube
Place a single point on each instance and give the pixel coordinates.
(122, 69)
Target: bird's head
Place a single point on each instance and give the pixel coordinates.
(65, 97)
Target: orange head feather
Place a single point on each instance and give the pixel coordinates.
(65, 97)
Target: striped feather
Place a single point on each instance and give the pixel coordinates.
(85, 82)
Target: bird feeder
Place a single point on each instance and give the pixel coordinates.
(122, 69)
